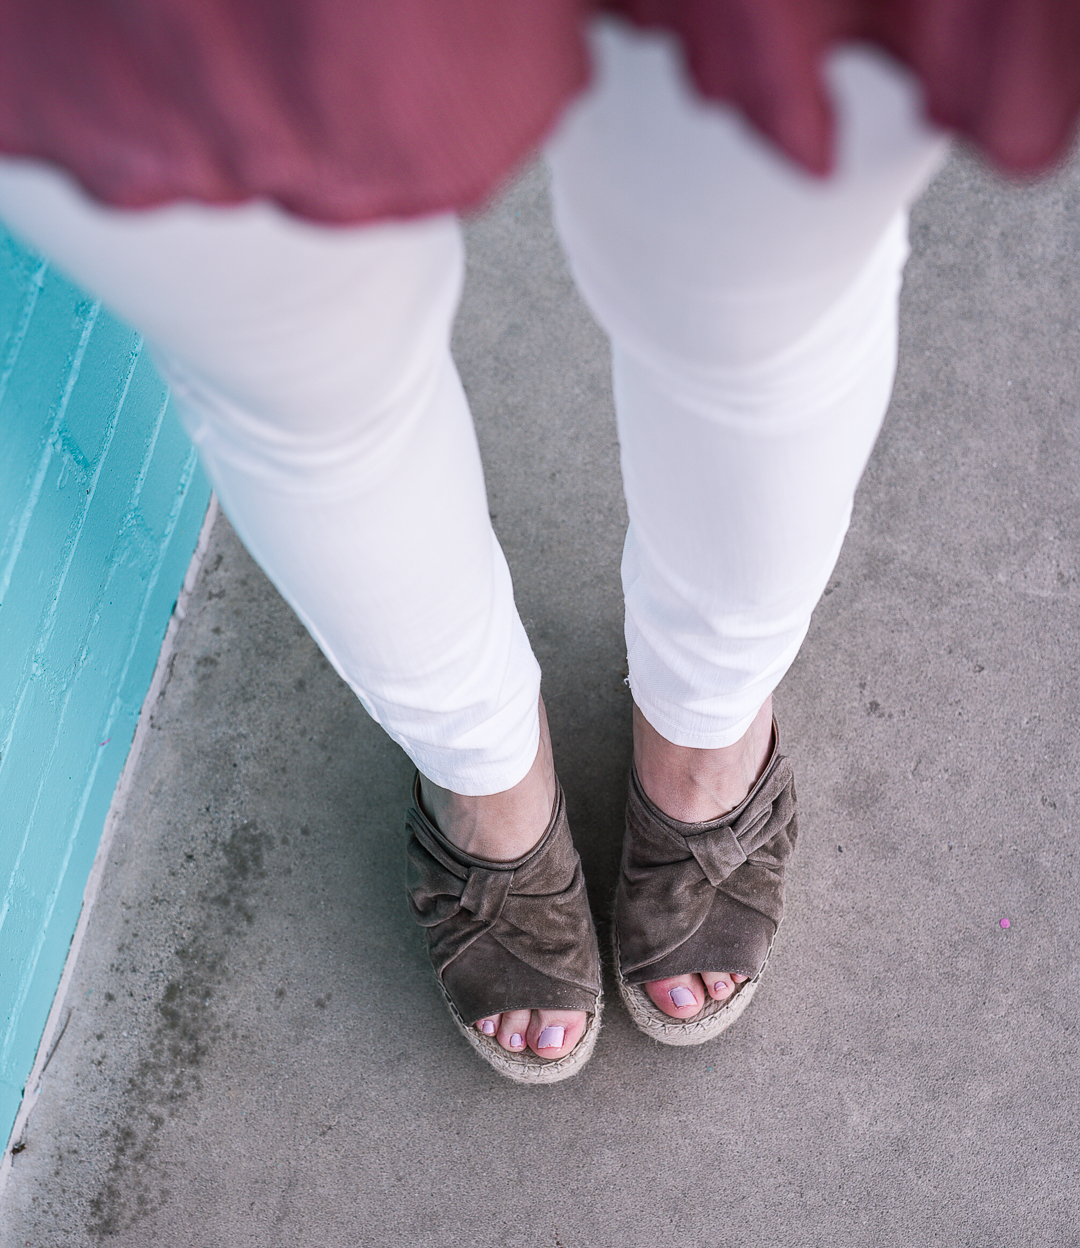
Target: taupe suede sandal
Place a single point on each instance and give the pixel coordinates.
(698, 897)
(508, 936)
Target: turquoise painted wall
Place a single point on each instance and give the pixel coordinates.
(101, 501)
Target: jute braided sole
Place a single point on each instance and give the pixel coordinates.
(526, 1067)
(713, 1018)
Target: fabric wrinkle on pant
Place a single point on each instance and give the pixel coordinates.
(464, 653)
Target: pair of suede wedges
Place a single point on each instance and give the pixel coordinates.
(691, 897)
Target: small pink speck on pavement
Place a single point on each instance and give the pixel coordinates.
(1004, 922)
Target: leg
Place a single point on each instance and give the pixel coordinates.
(312, 369)
(752, 311)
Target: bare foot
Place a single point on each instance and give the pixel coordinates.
(694, 786)
(502, 827)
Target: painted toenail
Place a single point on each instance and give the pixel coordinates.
(516, 1041)
(720, 988)
(487, 1027)
(551, 1038)
(681, 997)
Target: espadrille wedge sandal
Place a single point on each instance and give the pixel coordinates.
(507, 936)
(698, 897)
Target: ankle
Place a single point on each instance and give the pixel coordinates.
(693, 785)
(498, 826)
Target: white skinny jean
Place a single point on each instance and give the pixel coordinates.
(752, 312)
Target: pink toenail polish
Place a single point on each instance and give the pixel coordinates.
(681, 996)
(516, 1041)
(551, 1038)
(720, 988)
(487, 1027)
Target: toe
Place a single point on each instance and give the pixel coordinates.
(720, 985)
(553, 1033)
(513, 1029)
(487, 1026)
(681, 996)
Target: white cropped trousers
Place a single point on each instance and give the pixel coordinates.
(752, 313)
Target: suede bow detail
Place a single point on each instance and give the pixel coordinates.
(705, 896)
(724, 847)
(485, 892)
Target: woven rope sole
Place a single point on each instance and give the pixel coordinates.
(713, 1018)
(527, 1067)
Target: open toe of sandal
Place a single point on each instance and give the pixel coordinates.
(507, 936)
(698, 897)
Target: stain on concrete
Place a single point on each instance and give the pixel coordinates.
(186, 1028)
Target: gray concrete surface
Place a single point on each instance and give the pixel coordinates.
(257, 1055)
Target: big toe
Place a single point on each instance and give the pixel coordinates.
(553, 1033)
(680, 997)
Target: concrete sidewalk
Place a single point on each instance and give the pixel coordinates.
(257, 1053)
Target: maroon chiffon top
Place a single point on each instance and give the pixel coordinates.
(355, 110)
